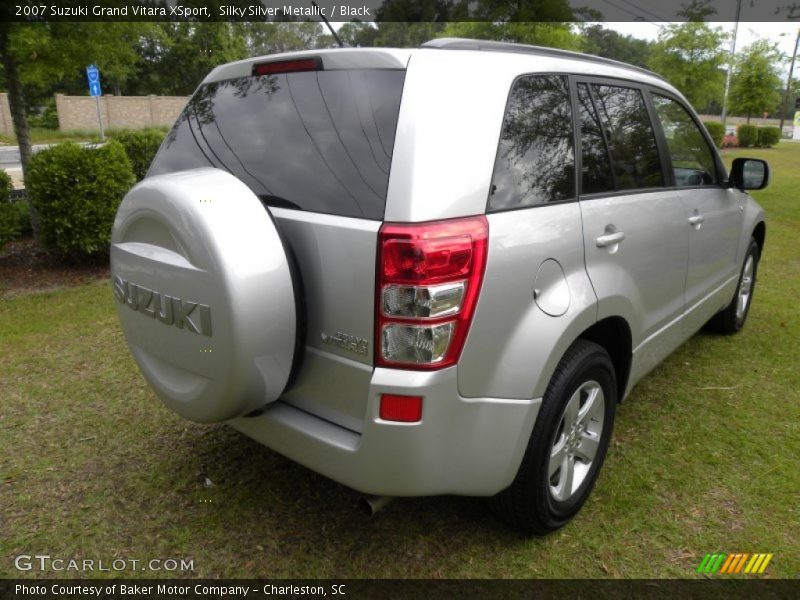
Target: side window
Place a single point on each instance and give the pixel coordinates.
(616, 121)
(692, 159)
(535, 161)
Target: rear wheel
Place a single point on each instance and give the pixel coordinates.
(731, 319)
(568, 443)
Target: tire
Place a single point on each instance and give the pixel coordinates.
(539, 500)
(732, 318)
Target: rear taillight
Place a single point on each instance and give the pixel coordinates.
(429, 277)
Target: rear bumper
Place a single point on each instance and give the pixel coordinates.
(465, 446)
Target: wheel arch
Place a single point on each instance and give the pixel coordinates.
(760, 235)
(614, 335)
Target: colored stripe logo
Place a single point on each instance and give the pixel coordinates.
(731, 564)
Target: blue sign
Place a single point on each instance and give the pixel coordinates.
(93, 75)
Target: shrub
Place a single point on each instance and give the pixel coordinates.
(716, 130)
(76, 191)
(768, 136)
(46, 118)
(23, 217)
(9, 222)
(730, 141)
(140, 146)
(747, 135)
(5, 187)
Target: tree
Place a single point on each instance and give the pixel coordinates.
(697, 11)
(356, 34)
(37, 56)
(611, 44)
(756, 80)
(409, 23)
(539, 22)
(553, 35)
(271, 38)
(190, 50)
(691, 57)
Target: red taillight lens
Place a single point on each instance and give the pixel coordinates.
(288, 66)
(415, 260)
(429, 277)
(406, 409)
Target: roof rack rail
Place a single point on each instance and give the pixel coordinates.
(493, 46)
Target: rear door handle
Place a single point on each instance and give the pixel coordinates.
(696, 220)
(609, 239)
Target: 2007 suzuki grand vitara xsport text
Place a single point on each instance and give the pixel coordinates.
(435, 270)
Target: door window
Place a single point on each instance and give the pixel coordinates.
(691, 158)
(614, 121)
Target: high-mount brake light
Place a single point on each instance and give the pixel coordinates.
(288, 66)
(429, 278)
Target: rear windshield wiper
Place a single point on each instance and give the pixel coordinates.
(278, 202)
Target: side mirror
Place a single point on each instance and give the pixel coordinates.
(749, 174)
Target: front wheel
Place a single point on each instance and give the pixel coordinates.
(731, 319)
(568, 443)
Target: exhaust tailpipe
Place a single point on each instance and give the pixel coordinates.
(372, 504)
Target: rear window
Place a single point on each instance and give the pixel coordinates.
(319, 141)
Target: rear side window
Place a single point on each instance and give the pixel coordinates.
(535, 161)
(615, 122)
(319, 141)
(690, 156)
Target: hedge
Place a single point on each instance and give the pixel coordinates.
(77, 191)
(768, 136)
(747, 135)
(716, 130)
(9, 220)
(140, 146)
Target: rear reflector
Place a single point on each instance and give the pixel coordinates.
(288, 66)
(406, 409)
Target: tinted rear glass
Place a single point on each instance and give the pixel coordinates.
(535, 161)
(629, 137)
(319, 141)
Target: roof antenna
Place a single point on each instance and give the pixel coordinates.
(333, 33)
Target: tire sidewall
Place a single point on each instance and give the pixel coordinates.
(752, 250)
(595, 365)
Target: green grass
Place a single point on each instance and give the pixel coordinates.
(42, 135)
(704, 459)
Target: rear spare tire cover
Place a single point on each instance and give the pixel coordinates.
(204, 293)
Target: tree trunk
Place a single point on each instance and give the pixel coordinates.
(16, 104)
(748, 118)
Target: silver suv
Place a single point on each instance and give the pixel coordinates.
(435, 270)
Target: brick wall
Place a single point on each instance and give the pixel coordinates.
(6, 126)
(80, 112)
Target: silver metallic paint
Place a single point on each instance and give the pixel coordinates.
(203, 235)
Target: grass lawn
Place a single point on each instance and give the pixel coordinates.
(42, 135)
(704, 459)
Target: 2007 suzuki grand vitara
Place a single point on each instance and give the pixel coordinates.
(435, 270)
